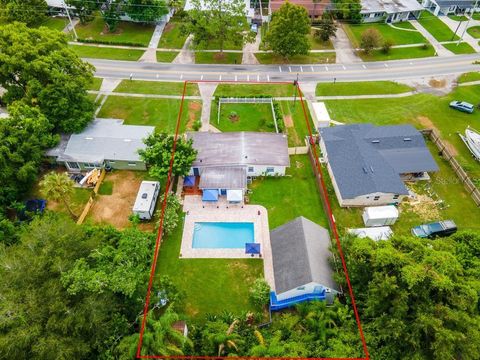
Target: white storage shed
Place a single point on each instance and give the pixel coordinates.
(380, 215)
(320, 114)
(375, 233)
(146, 199)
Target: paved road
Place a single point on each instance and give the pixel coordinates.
(390, 70)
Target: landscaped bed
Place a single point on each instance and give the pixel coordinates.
(243, 117)
(396, 36)
(96, 52)
(156, 87)
(311, 58)
(439, 30)
(361, 88)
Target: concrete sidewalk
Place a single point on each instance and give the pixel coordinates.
(439, 49)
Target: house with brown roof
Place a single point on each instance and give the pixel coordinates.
(315, 8)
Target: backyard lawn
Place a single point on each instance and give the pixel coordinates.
(212, 286)
(311, 58)
(474, 31)
(462, 48)
(397, 36)
(470, 76)
(436, 27)
(166, 56)
(127, 32)
(161, 113)
(361, 88)
(243, 117)
(96, 52)
(226, 90)
(172, 36)
(218, 58)
(156, 87)
(288, 197)
(55, 23)
(398, 53)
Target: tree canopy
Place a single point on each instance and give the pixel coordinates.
(83, 9)
(38, 69)
(146, 11)
(31, 12)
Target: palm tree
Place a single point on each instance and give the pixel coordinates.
(58, 186)
(229, 339)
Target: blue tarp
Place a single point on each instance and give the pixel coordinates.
(210, 195)
(189, 181)
(252, 248)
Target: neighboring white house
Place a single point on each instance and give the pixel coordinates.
(301, 264)
(446, 7)
(390, 11)
(249, 11)
(368, 164)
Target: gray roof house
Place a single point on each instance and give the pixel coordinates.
(390, 11)
(446, 7)
(301, 263)
(103, 142)
(367, 163)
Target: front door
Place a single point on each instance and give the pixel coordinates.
(196, 172)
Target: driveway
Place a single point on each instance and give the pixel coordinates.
(344, 49)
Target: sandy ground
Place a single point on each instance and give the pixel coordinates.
(428, 123)
(287, 119)
(194, 108)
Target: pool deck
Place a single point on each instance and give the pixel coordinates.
(197, 211)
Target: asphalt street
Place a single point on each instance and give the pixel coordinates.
(381, 70)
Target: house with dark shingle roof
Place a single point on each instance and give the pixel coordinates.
(368, 164)
(301, 264)
(446, 7)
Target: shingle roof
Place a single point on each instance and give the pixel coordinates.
(222, 177)
(300, 252)
(390, 6)
(103, 139)
(460, 3)
(366, 159)
(240, 148)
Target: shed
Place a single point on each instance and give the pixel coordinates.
(146, 199)
(376, 233)
(320, 114)
(380, 215)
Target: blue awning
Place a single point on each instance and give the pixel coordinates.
(189, 181)
(252, 248)
(210, 195)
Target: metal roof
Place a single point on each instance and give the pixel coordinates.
(366, 159)
(145, 195)
(390, 6)
(240, 148)
(103, 139)
(459, 3)
(300, 252)
(223, 177)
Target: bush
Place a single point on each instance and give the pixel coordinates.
(197, 125)
(425, 46)
(171, 216)
(107, 42)
(387, 46)
(260, 292)
(371, 39)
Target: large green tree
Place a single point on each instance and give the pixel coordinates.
(31, 12)
(84, 9)
(146, 11)
(159, 152)
(288, 30)
(38, 69)
(58, 187)
(326, 27)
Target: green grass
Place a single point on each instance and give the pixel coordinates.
(161, 113)
(212, 286)
(217, 58)
(172, 36)
(96, 52)
(468, 77)
(297, 133)
(462, 48)
(422, 111)
(316, 44)
(311, 58)
(396, 36)
(215, 45)
(106, 188)
(243, 117)
(474, 31)
(55, 23)
(226, 90)
(96, 84)
(166, 56)
(361, 88)
(458, 17)
(156, 87)
(436, 27)
(398, 54)
(476, 16)
(288, 197)
(127, 32)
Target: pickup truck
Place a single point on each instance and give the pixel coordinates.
(439, 228)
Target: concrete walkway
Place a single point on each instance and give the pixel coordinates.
(185, 56)
(151, 54)
(343, 48)
(206, 91)
(249, 50)
(452, 24)
(308, 89)
(439, 49)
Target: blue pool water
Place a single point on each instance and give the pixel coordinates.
(222, 235)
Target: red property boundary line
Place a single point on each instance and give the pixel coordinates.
(160, 230)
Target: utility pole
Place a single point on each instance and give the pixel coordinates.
(70, 19)
(468, 22)
(295, 83)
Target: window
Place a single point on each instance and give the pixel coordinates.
(111, 162)
(396, 197)
(376, 198)
(250, 169)
(132, 164)
(90, 165)
(301, 288)
(73, 165)
(270, 170)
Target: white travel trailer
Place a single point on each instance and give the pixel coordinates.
(380, 215)
(146, 199)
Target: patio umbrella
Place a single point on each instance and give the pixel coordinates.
(210, 195)
(189, 181)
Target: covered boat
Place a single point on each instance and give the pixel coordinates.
(472, 140)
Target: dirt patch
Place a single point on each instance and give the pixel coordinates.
(437, 84)
(423, 206)
(233, 117)
(193, 109)
(288, 120)
(428, 124)
(115, 209)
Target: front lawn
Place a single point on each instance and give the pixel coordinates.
(55, 23)
(218, 58)
(468, 77)
(172, 36)
(458, 17)
(211, 286)
(232, 90)
(166, 56)
(436, 27)
(288, 197)
(127, 33)
(243, 117)
(462, 48)
(361, 88)
(96, 52)
(398, 53)
(316, 44)
(156, 87)
(96, 84)
(161, 113)
(311, 58)
(474, 31)
(396, 36)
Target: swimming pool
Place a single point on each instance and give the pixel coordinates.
(222, 235)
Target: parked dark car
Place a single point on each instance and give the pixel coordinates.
(439, 228)
(462, 106)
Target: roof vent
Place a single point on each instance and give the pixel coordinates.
(246, 157)
(365, 170)
(144, 195)
(375, 141)
(407, 139)
(371, 168)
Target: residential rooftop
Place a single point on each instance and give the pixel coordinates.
(390, 6)
(222, 177)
